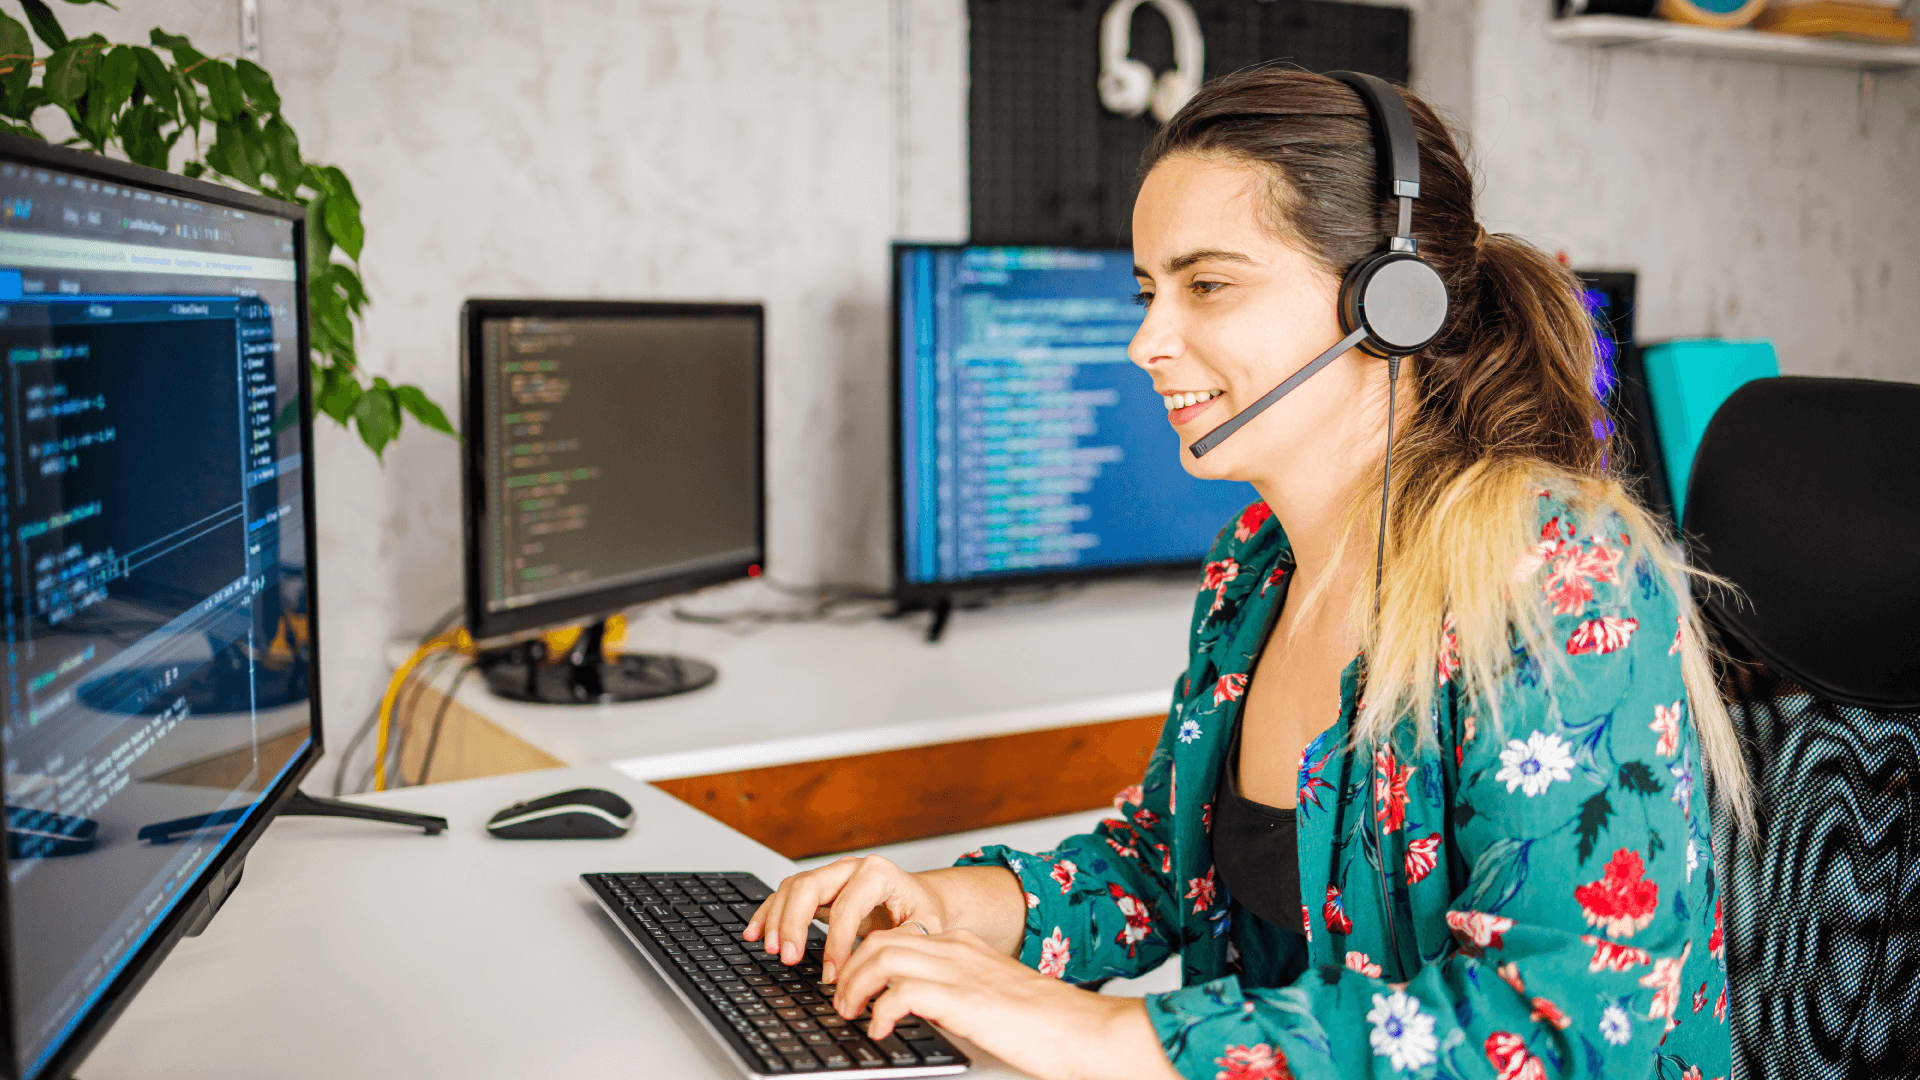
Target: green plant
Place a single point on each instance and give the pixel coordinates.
(141, 100)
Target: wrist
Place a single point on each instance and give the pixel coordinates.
(1127, 1044)
(987, 900)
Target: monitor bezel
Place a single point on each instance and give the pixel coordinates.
(140, 966)
(916, 594)
(500, 626)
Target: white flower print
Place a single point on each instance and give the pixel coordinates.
(1682, 771)
(1616, 1026)
(1535, 764)
(1189, 730)
(1401, 1031)
(1693, 859)
(1054, 953)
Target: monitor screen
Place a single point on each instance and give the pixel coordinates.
(618, 453)
(1028, 444)
(154, 548)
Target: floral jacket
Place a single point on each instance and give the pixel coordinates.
(1553, 892)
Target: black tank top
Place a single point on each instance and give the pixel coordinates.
(1255, 849)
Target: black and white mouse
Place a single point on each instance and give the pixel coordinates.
(578, 814)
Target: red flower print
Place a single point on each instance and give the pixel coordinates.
(1053, 955)
(1547, 1012)
(1720, 1004)
(1477, 930)
(1334, 913)
(1129, 794)
(1714, 940)
(1692, 1073)
(1622, 902)
(1666, 724)
(1125, 851)
(1449, 650)
(1306, 923)
(1145, 818)
(976, 853)
(1679, 624)
(1033, 901)
(1250, 521)
(1166, 858)
(1508, 1054)
(1063, 872)
(1665, 980)
(1206, 816)
(1601, 635)
(1200, 891)
(1510, 972)
(1390, 790)
(1139, 920)
(1216, 574)
(1700, 998)
(1421, 857)
(1607, 954)
(1272, 578)
(1229, 688)
(1256, 1062)
(1363, 964)
(1308, 793)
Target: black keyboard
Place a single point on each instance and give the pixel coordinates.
(775, 1019)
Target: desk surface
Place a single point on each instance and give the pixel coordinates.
(789, 693)
(359, 949)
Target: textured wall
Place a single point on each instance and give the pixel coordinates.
(769, 149)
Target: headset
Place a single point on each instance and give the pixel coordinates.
(1392, 303)
(1128, 86)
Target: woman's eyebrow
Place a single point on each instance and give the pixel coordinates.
(1181, 262)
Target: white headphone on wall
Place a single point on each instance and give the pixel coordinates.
(1128, 86)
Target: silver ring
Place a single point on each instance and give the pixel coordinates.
(916, 922)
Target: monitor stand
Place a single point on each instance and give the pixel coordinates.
(587, 675)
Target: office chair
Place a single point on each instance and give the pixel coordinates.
(1805, 493)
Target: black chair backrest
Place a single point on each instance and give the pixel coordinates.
(1805, 493)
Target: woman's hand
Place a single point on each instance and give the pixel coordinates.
(856, 895)
(1034, 1022)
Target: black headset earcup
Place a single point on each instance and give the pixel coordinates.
(1398, 297)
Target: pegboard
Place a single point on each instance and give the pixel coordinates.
(1050, 165)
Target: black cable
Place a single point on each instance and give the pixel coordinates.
(1379, 561)
(439, 717)
(398, 731)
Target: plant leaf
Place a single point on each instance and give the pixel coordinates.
(66, 77)
(223, 89)
(193, 170)
(339, 393)
(1593, 817)
(319, 244)
(110, 84)
(378, 418)
(156, 80)
(342, 215)
(17, 47)
(415, 401)
(336, 183)
(45, 26)
(1636, 777)
(283, 154)
(139, 130)
(257, 85)
(231, 155)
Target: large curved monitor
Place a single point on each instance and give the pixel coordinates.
(156, 546)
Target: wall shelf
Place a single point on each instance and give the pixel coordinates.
(1612, 31)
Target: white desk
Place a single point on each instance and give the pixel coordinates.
(367, 950)
(792, 693)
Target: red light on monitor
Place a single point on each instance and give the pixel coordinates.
(753, 569)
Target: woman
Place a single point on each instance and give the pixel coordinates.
(1464, 835)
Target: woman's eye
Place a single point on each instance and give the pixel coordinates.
(1143, 298)
(1210, 286)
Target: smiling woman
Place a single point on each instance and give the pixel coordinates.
(1435, 822)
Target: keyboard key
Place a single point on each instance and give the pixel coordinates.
(769, 1023)
(833, 1059)
(897, 1052)
(807, 1063)
(753, 890)
(815, 1038)
(773, 1063)
(789, 1045)
(744, 910)
(934, 1055)
(721, 913)
(863, 1054)
(781, 1002)
(787, 1012)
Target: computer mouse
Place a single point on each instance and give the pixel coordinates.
(577, 814)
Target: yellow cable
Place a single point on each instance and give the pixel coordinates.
(451, 640)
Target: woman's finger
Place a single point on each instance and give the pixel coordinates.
(886, 956)
(930, 998)
(811, 891)
(862, 893)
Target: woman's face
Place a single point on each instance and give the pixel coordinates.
(1232, 312)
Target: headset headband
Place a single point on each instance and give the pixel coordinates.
(1399, 148)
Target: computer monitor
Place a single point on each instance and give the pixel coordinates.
(613, 457)
(1027, 448)
(1621, 386)
(156, 543)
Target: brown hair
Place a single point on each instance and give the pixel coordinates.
(1500, 404)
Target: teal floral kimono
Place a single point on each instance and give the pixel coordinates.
(1554, 904)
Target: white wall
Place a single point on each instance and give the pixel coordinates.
(769, 149)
